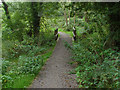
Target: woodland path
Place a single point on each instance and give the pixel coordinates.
(55, 73)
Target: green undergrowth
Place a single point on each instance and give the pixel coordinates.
(23, 81)
(20, 72)
(22, 62)
(97, 66)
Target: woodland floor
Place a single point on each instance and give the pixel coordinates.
(55, 73)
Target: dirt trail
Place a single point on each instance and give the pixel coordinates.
(55, 73)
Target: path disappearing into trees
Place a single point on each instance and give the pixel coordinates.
(55, 73)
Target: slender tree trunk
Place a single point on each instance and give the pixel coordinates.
(69, 17)
(5, 6)
(66, 18)
(86, 17)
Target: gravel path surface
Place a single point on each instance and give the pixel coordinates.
(55, 73)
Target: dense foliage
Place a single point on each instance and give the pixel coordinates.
(27, 42)
(96, 51)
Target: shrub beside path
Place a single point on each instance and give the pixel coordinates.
(55, 73)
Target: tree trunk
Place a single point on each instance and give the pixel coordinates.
(35, 19)
(66, 18)
(86, 17)
(69, 17)
(5, 6)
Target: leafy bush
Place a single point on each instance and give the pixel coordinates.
(25, 65)
(28, 60)
(96, 67)
(14, 49)
(7, 81)
(5, 66)
(30, 64)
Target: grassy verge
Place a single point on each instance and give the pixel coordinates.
(20, 72)
(25, 80)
